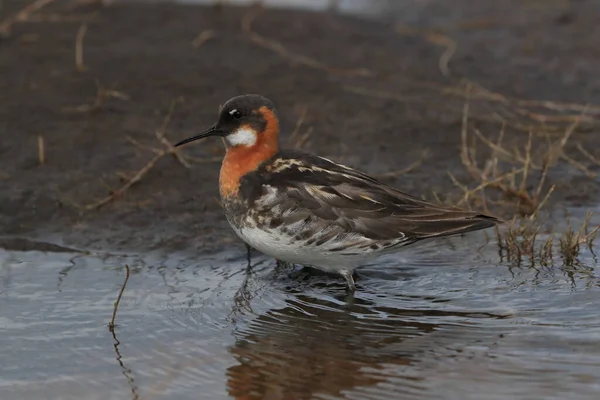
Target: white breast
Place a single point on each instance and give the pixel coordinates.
(280, 246)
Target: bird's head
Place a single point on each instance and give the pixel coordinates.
(246, 121)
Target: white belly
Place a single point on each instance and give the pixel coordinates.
(280, 246)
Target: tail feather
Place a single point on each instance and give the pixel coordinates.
(456, 225)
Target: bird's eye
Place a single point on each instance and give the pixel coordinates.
(235, 114)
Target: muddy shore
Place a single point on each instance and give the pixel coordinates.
(143, 60)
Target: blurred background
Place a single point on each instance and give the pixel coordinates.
(490, 105)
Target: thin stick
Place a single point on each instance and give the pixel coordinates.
(526, 164)
(541, 203)
(55, 18)
(79, 65)
(515, 105)
(498, 149)
(578, 165)
(41, 150)
(485, 94)
(142, 146)
(111, 324)
(137, 177)
(406, 169)
(158, 154)
(22, 15)
(202, 38)
(280, 49)
(495, 183)
(588, 154)
(101, 96)
(299, 123)
(379, 94)
(435, 38)
(160, 135)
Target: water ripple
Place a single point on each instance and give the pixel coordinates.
(448, 320)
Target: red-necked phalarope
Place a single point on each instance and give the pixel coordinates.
(306, 209)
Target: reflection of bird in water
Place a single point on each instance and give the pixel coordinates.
(305, 209)
(314, 348)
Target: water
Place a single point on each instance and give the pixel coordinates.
(375, 8)
(448, 319)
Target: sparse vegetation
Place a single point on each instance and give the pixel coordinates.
(509, 169)
(518, 243)
(570, 242)
(525, 242)
(520, 176)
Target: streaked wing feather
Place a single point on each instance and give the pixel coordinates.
(332, 198)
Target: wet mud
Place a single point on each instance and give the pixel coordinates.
(98, 121)
(88, 105)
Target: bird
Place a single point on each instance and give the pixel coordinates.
(305, 209)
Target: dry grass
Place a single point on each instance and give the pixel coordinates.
(138, 175)
(202, 38)
(519, 174)
(436, 38)
(591, 158)
(32, 14)
(111, 324)
(284, 52)
(41, 150)
(521, 245)
(102, 96)
(300, 137)
(405, 170)
(159, 153)
(570, 242)
(542, 117)
(79, 65)
(22, 16)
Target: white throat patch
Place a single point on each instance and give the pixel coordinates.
(242, 137)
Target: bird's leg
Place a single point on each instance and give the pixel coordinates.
(349, 280)
(248, 255)
(279, 266)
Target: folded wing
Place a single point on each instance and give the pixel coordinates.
(320, 195)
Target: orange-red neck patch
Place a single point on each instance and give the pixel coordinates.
(241, 160)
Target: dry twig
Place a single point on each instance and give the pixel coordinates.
(202, 38)
(160, 135)
(280, 49)
(514, 112)
(53, 17)
(111, 324)
(434, 37)
(588, 155)
(41, 150)
(297, 140)
(512, 184)
(136, 178)
(380, 94)
(571, 241)
(22, 16)
(158, 154)
(79, 65)
(102, 95)
(404, 170)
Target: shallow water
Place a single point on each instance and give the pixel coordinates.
(375, 8)
(448, 319)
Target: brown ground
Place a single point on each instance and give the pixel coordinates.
(143, 59)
